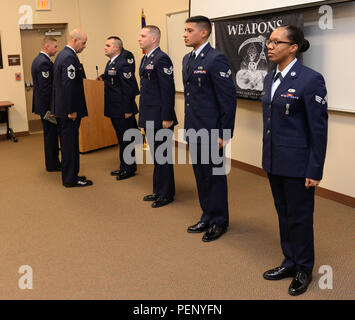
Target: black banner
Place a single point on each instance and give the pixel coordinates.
(243, 42)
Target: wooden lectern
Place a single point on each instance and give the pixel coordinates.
(96, 130)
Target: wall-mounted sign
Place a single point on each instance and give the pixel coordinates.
(14, 60)
(43, 5)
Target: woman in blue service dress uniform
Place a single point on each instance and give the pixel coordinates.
(295, 121)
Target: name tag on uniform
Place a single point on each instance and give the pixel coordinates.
(112, 72)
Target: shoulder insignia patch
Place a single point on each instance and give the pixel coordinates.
(169, 71)
(226, 74)
(71, 72)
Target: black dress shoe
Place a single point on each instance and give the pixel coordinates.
(300, 283)
(161, 202)
(199, 227)
(79, 183)
(151, 197)
(279, 273)
(116, 173)
(213, 233)
(82, 178)
(125, 175)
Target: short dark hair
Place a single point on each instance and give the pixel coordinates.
(296, 36)
(202, 21)
(117, 40)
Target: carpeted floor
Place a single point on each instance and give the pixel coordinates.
(104, 242)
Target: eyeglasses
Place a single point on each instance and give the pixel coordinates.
(275, 42)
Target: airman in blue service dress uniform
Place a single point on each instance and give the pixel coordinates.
(210, 103)
(69, 107)
(42, 76)
(121, 88)
(156, 104)
(294, 146)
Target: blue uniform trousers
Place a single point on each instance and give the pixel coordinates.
(295, 205)
(163, 175)
(69, 130)
(120, 126)
(212, 190)
(51, 145)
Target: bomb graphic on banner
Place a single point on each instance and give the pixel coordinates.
(254, 65)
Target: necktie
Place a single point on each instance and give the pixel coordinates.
(278, 76)
(108, 64)
(191, 61)
(144, 60)
(275, 84)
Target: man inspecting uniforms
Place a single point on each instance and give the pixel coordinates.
(42, 76)
(210, 105)
(69, 106)
(156, 106)
(121, 88)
